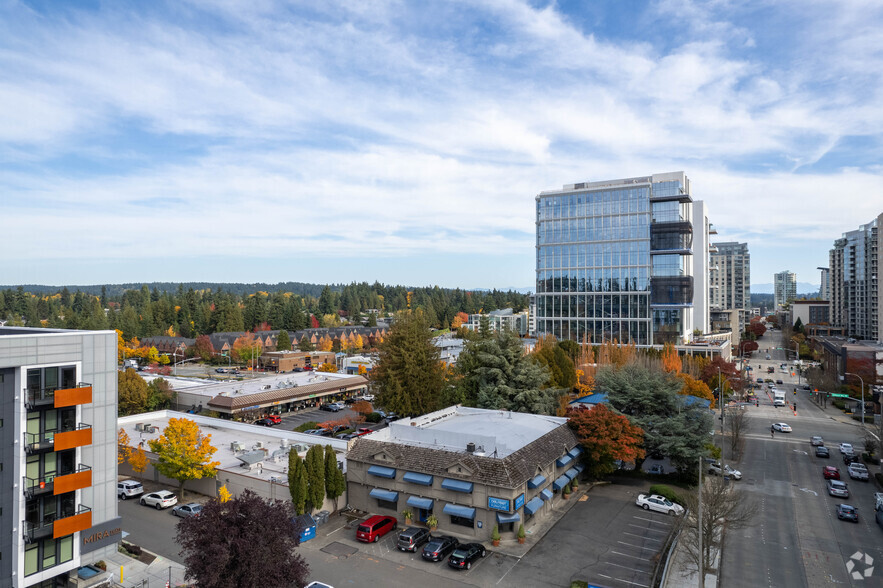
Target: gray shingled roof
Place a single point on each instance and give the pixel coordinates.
(509, 472)
(285, 394)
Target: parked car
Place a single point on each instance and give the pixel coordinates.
(782, 427)
(849, 457)
(312, 431)
(465, 554)
(129, 489)
(656, 469)
(816, 440)
(838, 488)
(274, 418)
(159, 500)
(846, 447)
(807, 387)
(846, 512)
(316, 584)
(858, 471)
(438, 548)
(659, 504)
(830, 473)
(780, 382)
(374, 528)
(822, 451)
(412, 538)
(330, 407)
(767, 356)
(191, 509)
(264, 423)
(221, 370)
(368, 397)
(715, 469)
(346, 436)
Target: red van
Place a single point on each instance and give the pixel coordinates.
(376, 527)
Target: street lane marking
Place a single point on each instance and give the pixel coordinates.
(624, 581)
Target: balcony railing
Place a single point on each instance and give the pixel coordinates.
(63, 524)
(37, 397)
(78, 437)
(35, 442)
(58, 483)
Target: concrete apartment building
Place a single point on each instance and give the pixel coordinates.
(498, 320)
(824, 283)
(471, 468)
(623, 260)
(58, 505)
(730, 276)
(856, 287)
(784, 288)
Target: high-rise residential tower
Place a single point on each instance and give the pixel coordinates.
(622, 260)
(856, 287)
(730, 276)
(58, 438)
(824, 283)
(784, 287)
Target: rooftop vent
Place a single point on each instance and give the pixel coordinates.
(470, 448)
(139, 426)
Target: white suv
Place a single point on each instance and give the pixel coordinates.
(159, 500)
(129, 489)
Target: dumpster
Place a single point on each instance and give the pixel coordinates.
(306, 526)
(322, 517)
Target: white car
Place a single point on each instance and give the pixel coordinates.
(846, 448)
(159, 500)
(858, 471)
(782, 427)
(129, 489)
(715, 469)
(659, 504)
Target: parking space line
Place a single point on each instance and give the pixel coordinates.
(610, 563)
(648, 529)
(627, 555)
(624, 581)
(638, 546)
(642, 537)
(662, 522)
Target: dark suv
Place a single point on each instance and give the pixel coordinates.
(464, 555)
(439, 548)
(412, 538)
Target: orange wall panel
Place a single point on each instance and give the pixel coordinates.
(72, 482)
(73, 396)
(71, 439)
(69, 525)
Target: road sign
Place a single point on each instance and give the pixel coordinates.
(840, 395)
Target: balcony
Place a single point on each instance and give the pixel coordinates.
(55, 527)
(78, 437)
(35, 442)
(82, 394)
(76, 480)
(34, 487)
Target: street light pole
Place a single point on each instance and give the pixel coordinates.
(863, 395)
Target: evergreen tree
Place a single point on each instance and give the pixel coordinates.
(326, 302)
(410, 375)
(283, 341)
(335, 483)
(315, 464)
(305, 344)
(297, 482)
(372, 319)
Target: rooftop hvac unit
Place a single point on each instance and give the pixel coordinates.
(139, 426)
(283, 443)
(258, 444)
(147, 428)
(266, 387)
(236, 446)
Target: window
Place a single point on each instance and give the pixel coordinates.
(65, 549)
(387, 504)
(31, 561)
(462, 521)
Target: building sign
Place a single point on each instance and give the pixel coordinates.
(498, 503)
(107, 533)
(519, 501)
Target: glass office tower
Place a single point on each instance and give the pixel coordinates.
(614, 260)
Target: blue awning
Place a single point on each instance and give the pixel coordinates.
(571, 473)
(536, 481)
(575, 451)
(533, 505)
(415, 478)
(563, 460)
(382, 472)
(456, 485)
(560, 483)
(459, 511)
(579, 469)
(508, 518)
(546, 494)
(386, 495)
(418, 502)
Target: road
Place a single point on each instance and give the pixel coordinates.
(797, 539)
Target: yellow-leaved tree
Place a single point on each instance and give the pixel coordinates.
(327, 367)
(694, 387)
(671, 361)
(138, 460)
(363, 371)
(223, 494)
(184, 453)
(325, 344)
(123, 449)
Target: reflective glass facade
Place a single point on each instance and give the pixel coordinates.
(599, 245)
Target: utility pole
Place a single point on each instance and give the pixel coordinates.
(699, 530)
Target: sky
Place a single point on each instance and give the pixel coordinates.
(405, 142)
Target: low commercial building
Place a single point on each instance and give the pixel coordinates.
(470, 468)
(288, 361)
(273, 394)
(811, 312)
(251, 457)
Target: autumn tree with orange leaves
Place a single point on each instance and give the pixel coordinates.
(606, 437)
(671, 361)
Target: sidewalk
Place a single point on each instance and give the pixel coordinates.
(129, 572)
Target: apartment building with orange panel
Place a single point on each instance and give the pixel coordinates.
(58, 437)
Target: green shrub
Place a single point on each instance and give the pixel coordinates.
(306, 426)
(838, 403)
(579, 584)
(667, 492)
(374, 417)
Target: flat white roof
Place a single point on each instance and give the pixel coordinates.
(246, 386)
(225, 433)
(495, 433)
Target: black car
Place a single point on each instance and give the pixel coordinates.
(822, 451)
(465, 554)
(264, 423)
(779, 382)
(439, 548)
(848, 458)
